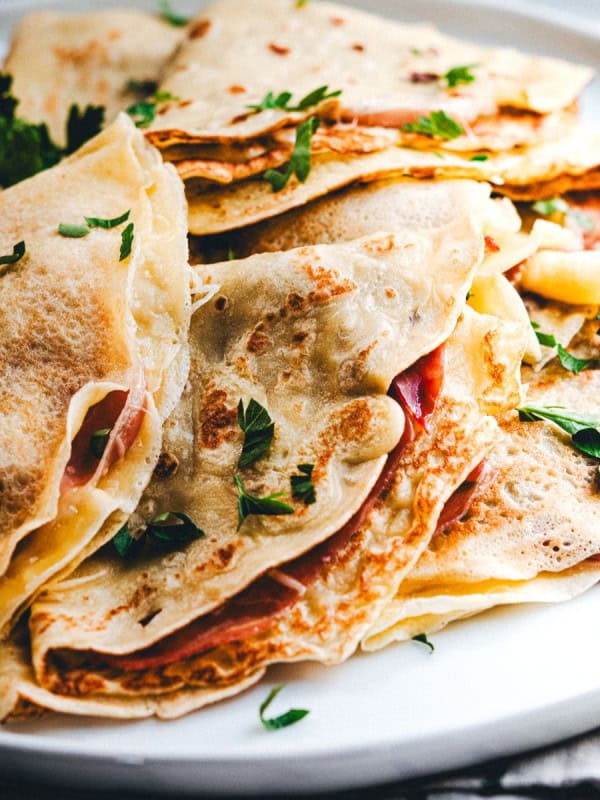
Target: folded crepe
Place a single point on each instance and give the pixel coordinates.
(383, 75)
(316, 606)
(93, 351)
(543, 171)
(531, 534)
(57, 60)
(132, 608)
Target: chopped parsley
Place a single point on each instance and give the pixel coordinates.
(98, 222)
(548, 207)
(144, 113)
(173, 527)
(124, 543)
(457, 75)
(16, 255)
(126, 242)
(479, 157)
(438, 123)
(26, 149)
(258, 428)
(567, 360)
(299, 163)
(73, 231)
(170, 16)
(284, 720)
(422, 639)
(282, 100)
(582, 428)
(249, 505)
(98, 441)
(302, 486)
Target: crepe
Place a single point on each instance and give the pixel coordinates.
(546, 170)
(232, 59)
(517, 544)
(57, 60)
(92, 338)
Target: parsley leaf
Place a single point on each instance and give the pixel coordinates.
(568, 361)
(282, 100)
(248, 504)
(170, 16)
(258, 428)
(548, 207)
(144, 113)
(457, 75)
(438, 123)
(282, 721)
(480, 157)
(299, 163)
(583, 429)
(302, 486)
(83, 125)
(73, 231)
(16, 255)
(98, 441)
(124, 543)
(126, 242)
(422, 639)
(173, 527)
(97, 222)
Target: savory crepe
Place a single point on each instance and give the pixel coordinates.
(57, 60)
(93, 350)
(544, 171)
(517, 544)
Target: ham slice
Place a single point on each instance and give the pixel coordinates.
(251, 611)
(119, 411)
(460, 502)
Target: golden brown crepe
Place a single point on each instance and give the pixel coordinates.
(57, 60)
(92, 338)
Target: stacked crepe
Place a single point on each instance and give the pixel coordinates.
(328, 456)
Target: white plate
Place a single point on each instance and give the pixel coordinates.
(503, 682)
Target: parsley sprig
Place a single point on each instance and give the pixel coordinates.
(171, 529)
(459, 75)
(299, 163)
(144, 113)
(284, 720)
(249, 504)
(422, 639)
(302, 486)
(282, 100)
(582, 428)
(438, 123)
(258, 428)
(127, 237)
(567, 360)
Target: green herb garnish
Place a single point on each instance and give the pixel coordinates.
(301, 3)
(231, 256)
(83, 125)
(282, 100)
(299, 163)
(438, 123)
(16, 255)
(568, 361)
(170, 16)
(259, 430)
(98, 441)
(126, 242)
(548, 207)
(582, 428)
(457, 75)
(173, 527)
(73, 231)
(97, 222)
(422, 639)
(144, 113)
(123, 542)
(302, 486)
(249, 505)
(276, 723)
(480, 157)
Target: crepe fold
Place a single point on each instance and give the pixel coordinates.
(92, 339)
(531, 534)
(57, 60)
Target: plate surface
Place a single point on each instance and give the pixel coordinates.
(505, 681)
